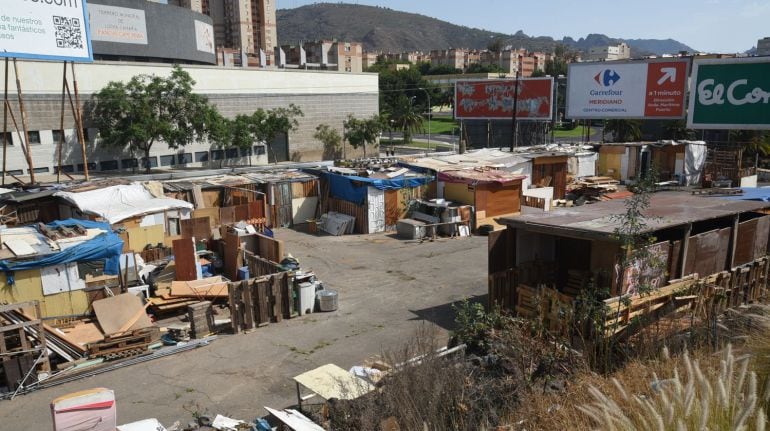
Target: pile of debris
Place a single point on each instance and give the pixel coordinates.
(588, 190)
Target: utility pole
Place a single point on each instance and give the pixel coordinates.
(514, 137)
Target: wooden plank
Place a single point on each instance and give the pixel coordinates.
(198, 228)
(263, 299)
(185, 260)
(248, 305)
(227, 215)
(276, 300)
(241, 213)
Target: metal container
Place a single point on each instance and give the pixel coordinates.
(327, 300)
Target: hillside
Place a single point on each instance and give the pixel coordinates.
(384, 29)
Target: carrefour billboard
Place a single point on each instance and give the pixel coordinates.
(651, 89)
(494, 99)
(45, 29)
(730, 94)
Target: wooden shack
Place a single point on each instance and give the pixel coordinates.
(492, 193)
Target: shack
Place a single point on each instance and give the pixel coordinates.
(568, 250)
(680, 161)
(377, 201)
(492, 193)
(59, 264)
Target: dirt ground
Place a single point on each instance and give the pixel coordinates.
(387, 289)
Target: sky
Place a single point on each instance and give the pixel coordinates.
(717, 26)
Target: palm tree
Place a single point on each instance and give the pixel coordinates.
(624, 130)
(406, 118)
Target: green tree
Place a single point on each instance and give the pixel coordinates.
(362, 131)
(134, 116)
(481, 68)
(331, 139)
(624, 130)
(405, 117)
(262, 126)
(677, 130)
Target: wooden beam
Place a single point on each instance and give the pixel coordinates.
(79, 121)
(683, 251)
(17, 306)
(28, 153)
(733, 241)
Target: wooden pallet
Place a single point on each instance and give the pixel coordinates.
(122, 346)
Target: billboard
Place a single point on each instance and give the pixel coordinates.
(730, 93)
(652, 89)
(494, 99)
(118, 24)
(45, 29)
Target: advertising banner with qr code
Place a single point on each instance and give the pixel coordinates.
(45, 30)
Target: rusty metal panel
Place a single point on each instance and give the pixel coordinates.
(761, 237)
(744, 246)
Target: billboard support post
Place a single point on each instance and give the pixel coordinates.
(25, 145)
(514, 132)
(79, 121)
(5, 118)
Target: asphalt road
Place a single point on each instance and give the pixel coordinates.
(388, 289)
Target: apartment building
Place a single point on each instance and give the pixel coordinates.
(455, 58)
(368, 59)
(246, 25)
(322, 55)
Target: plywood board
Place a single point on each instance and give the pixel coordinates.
(28, 287)
(140, 237)
(211, 287)
(116, 312)
(198, 228)
(84, 333)
(211, 213)
(185, 260)
(211, 198)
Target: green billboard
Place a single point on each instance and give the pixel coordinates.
(730, 93)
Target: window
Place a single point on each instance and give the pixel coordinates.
(15, 172)
(8, 138)
(185, 158)
(217, 154)
(167, 160)
(245, 152)
(108, 165)
(259, 150)
(42, 170)
(91, 166)
(202, 156)
(64, 168)
(34, 136)
(231, 153)
(129, 163)
(57, 136)
(152, 162)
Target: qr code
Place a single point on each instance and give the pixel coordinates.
(68, 32)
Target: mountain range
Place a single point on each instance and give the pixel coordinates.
(387, 30)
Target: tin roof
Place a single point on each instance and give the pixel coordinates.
(667, 210)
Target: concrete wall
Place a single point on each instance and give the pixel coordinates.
(324, 97)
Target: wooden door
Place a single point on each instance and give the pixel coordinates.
(392, 212)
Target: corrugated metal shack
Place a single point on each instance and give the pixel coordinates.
(698, 238)
(377, 200)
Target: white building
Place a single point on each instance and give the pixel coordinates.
(609, 53)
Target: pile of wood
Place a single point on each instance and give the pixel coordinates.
(124, 345)
(551, 308)
(175, 296)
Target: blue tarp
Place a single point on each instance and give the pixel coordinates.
(107, 246)
(752, 194)
(353, 188)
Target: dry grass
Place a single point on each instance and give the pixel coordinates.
(723, 390)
